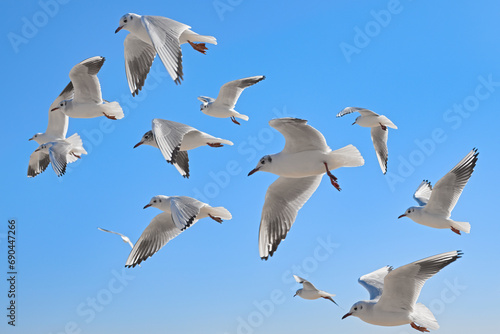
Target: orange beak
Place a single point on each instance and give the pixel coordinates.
(346, 315)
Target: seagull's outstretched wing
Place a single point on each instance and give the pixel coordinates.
(423, 193)
(284, 198)
(184, 211)
(58, 122)
(139, 57)
(362, 111)
(159, 231)
(124, 237)
(59, 156)
(448, 189)
(374, 282)
(299, 135)
(164, 34)
(379, 138)
(306, 285)
(231, 91)
(168, 136)
(84, 78)
(39, 160)
(402, 286)
(206, 99)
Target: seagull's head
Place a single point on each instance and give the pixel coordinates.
(410, 212)
(357, 310)
(61, 106)
(37, 137)
(147, 139)
(126, 20)
(158, 202)
(298, 292)
(263, 165)
(42, 147)
(205, 102)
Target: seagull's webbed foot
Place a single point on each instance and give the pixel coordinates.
(234, 120)
(200, 47)
(333, 179)
(419, 328)
(76, 155)
(110, 117)
(215, 144)
(217, 219)
(383, 126)
(455, 230)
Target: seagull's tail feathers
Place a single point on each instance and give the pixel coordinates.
(387, 122)
(424, 317)
(221, 141)
(112, 110)
(347, 156)
(219, 212)
(462, 226)
(205, 39)
(238, 115)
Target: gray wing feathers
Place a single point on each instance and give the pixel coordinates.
(423, 193)
(350, 110)
(39, 161)
(231, 91)
(284, 198)
(58, 157)
(156, 235)
(379, 138)
(374, 282)
(139, 57)
(184, 211)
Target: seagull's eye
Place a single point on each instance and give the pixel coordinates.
(355, 309)
(125, 21)
(154, 201)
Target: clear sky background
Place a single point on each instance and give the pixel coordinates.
(431, 67)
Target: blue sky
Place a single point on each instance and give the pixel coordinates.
(432, 68)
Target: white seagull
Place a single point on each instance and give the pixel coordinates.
(394, 294)
(175, 139)
(301, 165)
(151, 35)
(436, 204)
(87, 101)
(179, 213)
(59, 153)
(223, 106)
(309, 291)
(124, 237)
(378, 124)
(58, 122)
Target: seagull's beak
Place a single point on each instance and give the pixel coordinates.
(253, 171)
(138, 144)
(54, 108)
(295, 294)
(30, 139)
(38, 149)
(146, 206)
(346, 315)
(353, 123)
(403, 215)
(118, 29)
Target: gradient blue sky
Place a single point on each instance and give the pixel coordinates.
(418, 66)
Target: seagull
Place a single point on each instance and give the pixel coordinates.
(309, 291)
(124, 237)
(58, 122)
(301, 165)
(378, 124)
(179, 213)
(87, 101)
(223, 106)
(394, 293)
(59, 153)
(175, 139)
(150, 35)
(436, 204)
